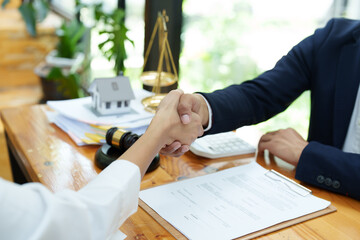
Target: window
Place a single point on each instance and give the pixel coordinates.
(95, 101)
(108, 104)
(126, 103)
(114, 86)
(119, 104)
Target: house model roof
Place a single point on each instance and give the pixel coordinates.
(113, 89)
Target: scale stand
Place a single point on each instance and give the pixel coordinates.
(160, 78)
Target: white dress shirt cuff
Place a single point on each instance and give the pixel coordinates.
(210, 114)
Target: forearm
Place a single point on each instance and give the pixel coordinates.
(230, 109)
(94, 212)
(265, 96)
(143, 151)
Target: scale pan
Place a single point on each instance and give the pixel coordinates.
(151, 103)
(167, 81)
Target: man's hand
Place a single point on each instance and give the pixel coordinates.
(188, 104)
(286, 144)
(193, 103)
(167, 126)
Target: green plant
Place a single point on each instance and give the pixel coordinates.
(70, 34)
(68, 79)
(68, 84)
(4, 3)
(111, 25)
(113, 47)
(32, 11)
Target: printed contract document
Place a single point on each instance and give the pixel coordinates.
(231, 203)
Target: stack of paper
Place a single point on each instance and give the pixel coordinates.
(85, 126)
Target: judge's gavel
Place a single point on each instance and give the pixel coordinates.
(117, 142)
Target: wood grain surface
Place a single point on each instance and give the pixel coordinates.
(19, 52)
(49, 156)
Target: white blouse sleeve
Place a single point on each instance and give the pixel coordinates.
(31, 211)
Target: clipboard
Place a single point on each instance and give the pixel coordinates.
(178, 235)
(274, 176)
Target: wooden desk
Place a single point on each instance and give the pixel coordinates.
(46, 154)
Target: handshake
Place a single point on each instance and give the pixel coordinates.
(179, 120)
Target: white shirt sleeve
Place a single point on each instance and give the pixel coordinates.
(31, 211)
(210, 114)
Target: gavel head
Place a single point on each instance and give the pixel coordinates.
(120, 138)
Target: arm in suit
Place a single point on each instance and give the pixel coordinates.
(272, 92)
(330, 168)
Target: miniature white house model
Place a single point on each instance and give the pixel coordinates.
(111, 95)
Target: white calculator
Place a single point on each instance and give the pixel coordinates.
(221, 145)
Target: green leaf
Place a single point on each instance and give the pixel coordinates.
(113, 25)
(68, 85)
(42, 9)
(70, 38)
(28, 13)
(78, 33)
(55, 73)
(131, 41)
(104, 31)
(4, 3)
(101, 45)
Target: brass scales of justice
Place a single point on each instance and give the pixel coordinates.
(159, 78)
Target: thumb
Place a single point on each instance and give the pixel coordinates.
(185, 118)
(185, 107)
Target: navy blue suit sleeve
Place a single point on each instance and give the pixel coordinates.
(330, 168)
(270, 93)
(259, 99)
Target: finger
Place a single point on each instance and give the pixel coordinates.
(175, 96)
(171, 148)
(178, 91)
(172, 99)
(186, 106)
(167, 152)
(175, 145)
(196, 119)
(266, 137)
(259, 152)
(200, 131)
(184, 148)
(181, 151)
(262, 146)
(266, 146)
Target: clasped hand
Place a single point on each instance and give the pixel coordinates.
(191, 110)
(188, 115)
(167, 128)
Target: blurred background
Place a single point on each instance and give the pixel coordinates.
(215, 43)
(227, 42)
